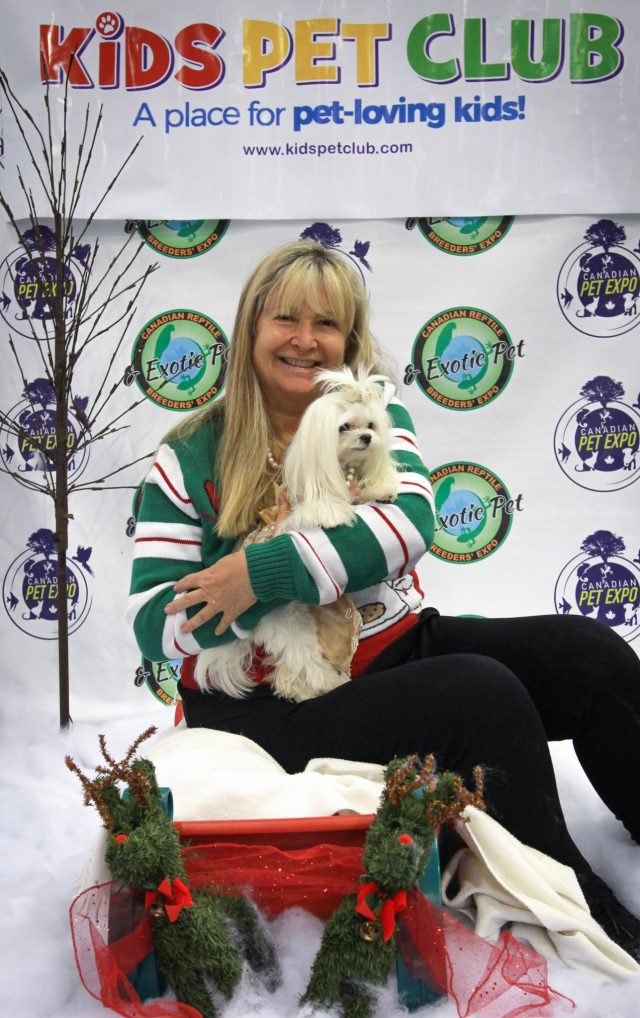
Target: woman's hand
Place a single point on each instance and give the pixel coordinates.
(224, 588)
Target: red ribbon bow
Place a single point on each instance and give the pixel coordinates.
(389, 907)
(176, 897)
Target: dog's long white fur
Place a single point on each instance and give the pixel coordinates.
(346, 426)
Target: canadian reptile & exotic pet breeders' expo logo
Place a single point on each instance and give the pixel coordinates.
(462, 358)
(179, 359)
(28, 434)
(29, 282)
(596, 439)
(463, 235)
(474, 511)
(602, 583)
(597, 285)
(161, 678)
(30, 587)
(180, 238)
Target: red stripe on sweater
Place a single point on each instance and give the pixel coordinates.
(188, 671)
(416, 582)
(212, 496)
(398, 535)
(168, 540)
(185, 501)
(329, 576)
(414, 484)
(405, 438)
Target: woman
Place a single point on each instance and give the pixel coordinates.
(468, 690)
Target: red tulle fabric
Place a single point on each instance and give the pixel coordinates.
(500, 980)
(316, 878)
(111, 932)
(103, 961)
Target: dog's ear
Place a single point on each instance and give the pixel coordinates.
(379, 479)
(312, 472)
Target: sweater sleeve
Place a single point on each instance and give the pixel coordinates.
(170, 543)
(386, 541)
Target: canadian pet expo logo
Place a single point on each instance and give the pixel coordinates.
(30, 281)
(602, 583)
(30, 587)
(596, 439)
(463, 358)
(597, 285)
(474, 511)
(179, 359)
(28, 435)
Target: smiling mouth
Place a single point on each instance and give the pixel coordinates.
(294, 363)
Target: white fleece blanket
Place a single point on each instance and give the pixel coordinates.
(217, 776)
(499, 880)
(244, 783)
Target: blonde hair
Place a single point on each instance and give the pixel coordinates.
(298, 276)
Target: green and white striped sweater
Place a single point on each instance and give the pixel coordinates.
(373, 560)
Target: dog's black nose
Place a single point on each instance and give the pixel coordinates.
(365, 439)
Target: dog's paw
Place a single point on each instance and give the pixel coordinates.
(389, 494)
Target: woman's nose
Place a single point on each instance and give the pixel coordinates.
(305, 334)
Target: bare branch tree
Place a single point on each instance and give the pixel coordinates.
(77, 305)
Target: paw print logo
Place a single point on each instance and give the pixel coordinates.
(109, 24)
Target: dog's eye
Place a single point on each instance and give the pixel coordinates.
(371, 426)
(344, 427)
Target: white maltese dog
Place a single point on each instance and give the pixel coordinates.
(340, 456)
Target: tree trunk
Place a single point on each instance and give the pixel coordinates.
(60, 381)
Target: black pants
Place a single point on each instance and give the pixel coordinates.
(473, 691)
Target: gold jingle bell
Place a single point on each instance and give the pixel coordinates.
(370, 931)
(156, 910)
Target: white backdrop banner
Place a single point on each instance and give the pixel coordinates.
(266, 110)
(516, 346)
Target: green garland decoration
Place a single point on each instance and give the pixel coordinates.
(191, 935)
(358, 947)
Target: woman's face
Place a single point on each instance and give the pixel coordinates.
(287, 352)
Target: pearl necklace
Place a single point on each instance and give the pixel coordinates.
(272, 461)
(276, 465)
